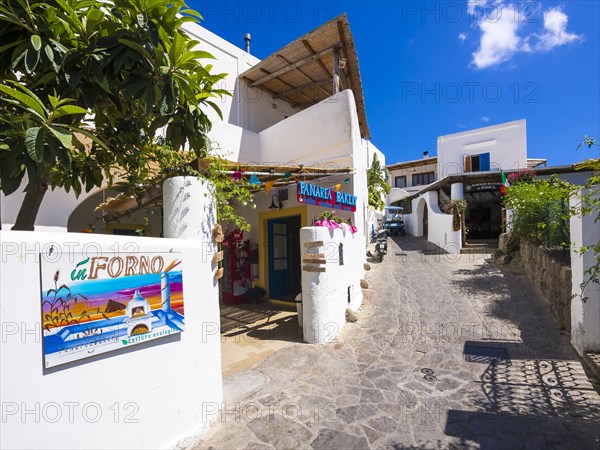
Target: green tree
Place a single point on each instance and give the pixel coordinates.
(377, 184)
(85, 86)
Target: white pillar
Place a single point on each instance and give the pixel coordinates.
(189, 209)
(585, 315)
(325, 294)
(457, 191)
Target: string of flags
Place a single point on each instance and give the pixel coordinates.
(237, 175)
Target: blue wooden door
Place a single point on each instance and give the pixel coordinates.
(278, 258)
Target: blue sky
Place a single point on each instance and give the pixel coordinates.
(435, 68)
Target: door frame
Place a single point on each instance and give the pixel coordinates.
(263, 237)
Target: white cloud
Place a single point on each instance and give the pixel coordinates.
(555, 24)
(485, 119)
(462, 37)
(500, 25)
(499, 39)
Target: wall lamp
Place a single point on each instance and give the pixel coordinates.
(275, 204)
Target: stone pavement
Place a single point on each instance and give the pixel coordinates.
(448, 352)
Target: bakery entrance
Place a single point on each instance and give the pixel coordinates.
(284, 257)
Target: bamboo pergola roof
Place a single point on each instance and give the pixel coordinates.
(265, 173)
(302, 72)
(273, 173)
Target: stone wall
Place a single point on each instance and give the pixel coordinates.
(551, 277)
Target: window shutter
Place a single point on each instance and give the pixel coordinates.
(484, 162)
(467, 164)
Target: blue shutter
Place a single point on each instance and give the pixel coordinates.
(484, 162)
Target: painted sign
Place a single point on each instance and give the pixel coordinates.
(95, 304)
(320, 196)
(483, 187)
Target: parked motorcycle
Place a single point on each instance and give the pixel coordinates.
(381, 244)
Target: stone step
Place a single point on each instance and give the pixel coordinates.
(593, 361)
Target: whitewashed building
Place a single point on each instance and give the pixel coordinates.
(467, 167)
(302, 108)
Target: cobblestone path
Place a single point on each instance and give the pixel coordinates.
(448, 352)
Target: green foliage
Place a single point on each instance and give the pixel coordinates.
(377, 184)
(227, 192)
(590, 204)
(540, 209)
(85, 86)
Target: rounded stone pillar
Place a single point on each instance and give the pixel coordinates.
(189, 209)
(457, 191)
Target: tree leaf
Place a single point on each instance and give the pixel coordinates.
(139, 49)
(67, 110)
(34, 143)
(64, 157)
(36, 42)
(26, 98)
(63, 136)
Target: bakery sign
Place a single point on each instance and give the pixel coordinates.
(483, 187)
(321, 196)
(95, 304)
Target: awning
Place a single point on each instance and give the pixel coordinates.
(302, 73)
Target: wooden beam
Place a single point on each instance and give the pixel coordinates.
(310, 49)
(302, 88)
(309, 78)
(336, 70)
(292, 66)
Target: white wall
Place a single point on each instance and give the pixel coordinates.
(327, 135)
(439, 223)
(53, 214)
(585, 316)
(164, 384)
(506, 143)
(325, 294)
(249, 108)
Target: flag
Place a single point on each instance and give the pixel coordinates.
(505, 183)
(269, 185)
(347, 180)
(338, 186)
(254, 179)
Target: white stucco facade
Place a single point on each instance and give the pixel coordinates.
(585, 305)
(506, 144)
(148, 396)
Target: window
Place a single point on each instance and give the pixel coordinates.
(420, 179)
(477, 163)
(400, 182)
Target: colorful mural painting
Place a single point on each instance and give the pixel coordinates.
(93, 305)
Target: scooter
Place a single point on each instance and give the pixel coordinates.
(381, 244)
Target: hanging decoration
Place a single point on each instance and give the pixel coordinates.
(286, 175)
(268, 186)
(338, 186)
(254, 179)
(347, 180)
(236, 176)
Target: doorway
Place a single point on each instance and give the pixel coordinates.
(284, 257)
(425, 223)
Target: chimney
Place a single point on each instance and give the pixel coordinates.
(425, 154)
(247, 39)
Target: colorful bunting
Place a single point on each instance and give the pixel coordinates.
(269, 185)
(286, 176)
(338, 186)
(237, 176)
(347, 180)
(254, 179)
